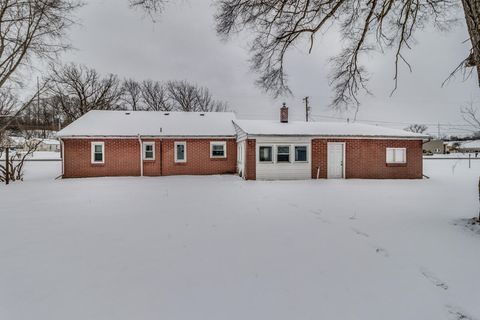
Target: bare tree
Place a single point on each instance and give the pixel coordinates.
(471, 116)
(183, 96)
(154, 96)
(79, 89)
(132, 94)
(149, 6)
(364, 26)
(16, 161)
(417, 128)
(8, 102)
(191, 98)
(31, 29)
(207, 103)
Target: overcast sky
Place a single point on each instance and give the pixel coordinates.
(182, 45)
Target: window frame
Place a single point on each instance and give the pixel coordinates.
(394, 160)
(184, 144)
(295, 153)
(144, 146)
(271, 154)
(289, 153)
(92, 147)
(218, 143)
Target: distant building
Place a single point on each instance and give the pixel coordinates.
(49, 145)
(435, 146)
(452, 146)
(470, 147)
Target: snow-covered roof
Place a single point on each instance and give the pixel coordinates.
(328, 129)
(49, 141)
(474, 144)
(16, 140)
(150, 123)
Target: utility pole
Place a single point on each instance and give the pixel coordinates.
(307, 108)
(438, 129)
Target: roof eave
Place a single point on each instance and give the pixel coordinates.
(253, 135)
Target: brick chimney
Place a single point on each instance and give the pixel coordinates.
(284, 113)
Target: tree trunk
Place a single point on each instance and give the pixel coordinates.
(472, 17)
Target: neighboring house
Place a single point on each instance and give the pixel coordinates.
(142, 143)
(469, 146)
(434, 146)
(18, 143)
(48, 145)
(452, 146)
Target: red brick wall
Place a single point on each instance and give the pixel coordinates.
(250, 159)
(198, 158)
(122, 158)
(366, 158)
(153, 167)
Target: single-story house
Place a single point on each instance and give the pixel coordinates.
(144, 143)
(434, 146)
(48, 145)
(472, 146)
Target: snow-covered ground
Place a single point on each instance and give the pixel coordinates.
(222, 248)
(453, 155)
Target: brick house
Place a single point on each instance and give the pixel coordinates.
(142, 143)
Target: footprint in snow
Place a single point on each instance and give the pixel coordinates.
(318, 213)
(434, 279)
(457, 314)
(361, 233)
(382, 251)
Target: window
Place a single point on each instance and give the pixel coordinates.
(396, 155)
(180, 152)
(283, 154)
(218, 149)
(149, 151)
(98, 152)
(301, 153)
(265, 154)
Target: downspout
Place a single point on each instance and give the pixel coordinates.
(141, 155)
(62, 147)
(161, 157)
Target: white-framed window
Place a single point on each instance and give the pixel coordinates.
(149, 151)
(265, 154)
(180, 152)
(98, 152)
(283, 154)
(396, 155)
(301, 154)
(218, 149)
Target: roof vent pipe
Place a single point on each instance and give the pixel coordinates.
(284, 113)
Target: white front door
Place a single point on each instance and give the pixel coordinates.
(335, 156)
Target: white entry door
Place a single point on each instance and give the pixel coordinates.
(335, 159)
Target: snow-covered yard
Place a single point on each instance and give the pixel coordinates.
(222, 248)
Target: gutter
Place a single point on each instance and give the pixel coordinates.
(141, 155)
(313, 136)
